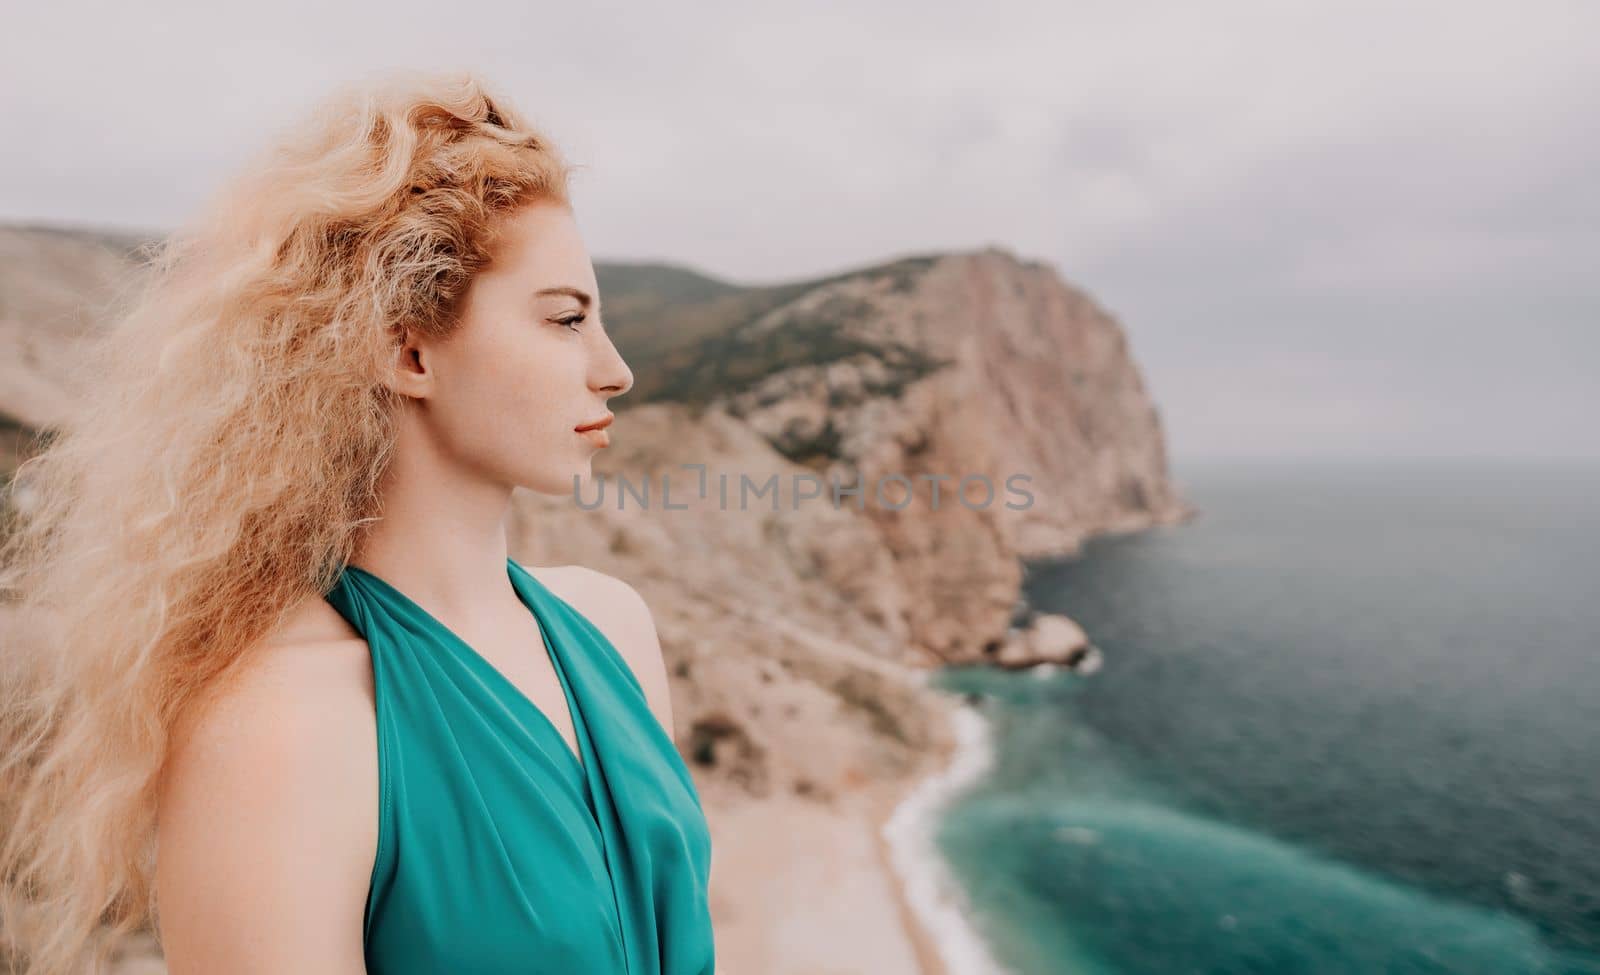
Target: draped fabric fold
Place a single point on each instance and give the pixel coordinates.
(500, 850)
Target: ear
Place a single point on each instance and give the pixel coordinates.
(409, 372)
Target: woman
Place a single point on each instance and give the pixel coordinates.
(281, 692)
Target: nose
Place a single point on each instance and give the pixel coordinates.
(609, 374)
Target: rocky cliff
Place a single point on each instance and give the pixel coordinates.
(986, 410)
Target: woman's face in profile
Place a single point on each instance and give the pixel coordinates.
(528, 364)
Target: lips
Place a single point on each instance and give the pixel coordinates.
(599, 424)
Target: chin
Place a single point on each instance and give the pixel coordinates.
(559, 482)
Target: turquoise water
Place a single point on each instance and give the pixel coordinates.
(1348, 721)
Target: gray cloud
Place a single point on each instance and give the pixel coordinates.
(1348, 228)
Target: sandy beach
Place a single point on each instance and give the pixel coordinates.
(844, 887)
(803, 888)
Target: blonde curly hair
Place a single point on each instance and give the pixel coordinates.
(219, 468)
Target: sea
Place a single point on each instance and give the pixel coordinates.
(1345, 720)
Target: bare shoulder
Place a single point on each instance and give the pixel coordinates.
(617, 609)
(267, 811)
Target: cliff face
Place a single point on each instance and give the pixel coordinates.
(986, 410)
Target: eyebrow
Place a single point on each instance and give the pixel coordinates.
(584, 298)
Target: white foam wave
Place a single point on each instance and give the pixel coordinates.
(932, 890)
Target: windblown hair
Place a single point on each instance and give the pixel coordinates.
(219, 466)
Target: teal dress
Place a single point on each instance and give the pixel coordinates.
(500, 852)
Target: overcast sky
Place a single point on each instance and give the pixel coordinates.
(1330, 229)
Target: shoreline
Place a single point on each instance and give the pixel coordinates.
(934, 907)
(852, 883)
(923, 943)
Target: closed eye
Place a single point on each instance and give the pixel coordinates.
(572, 321)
